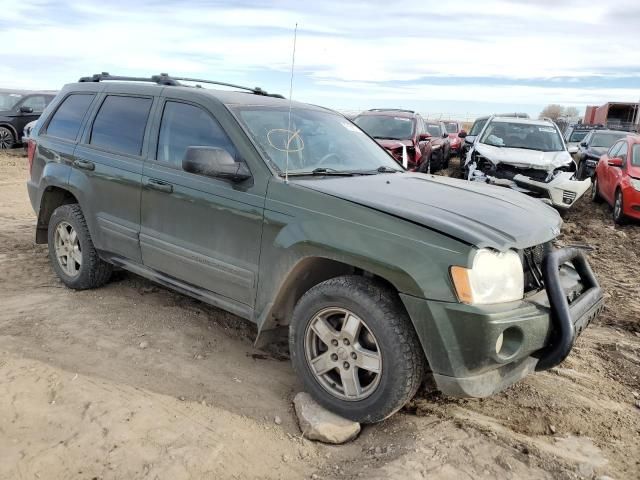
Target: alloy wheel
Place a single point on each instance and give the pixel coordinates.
(343, 354)
(67, 248)
(6, 139)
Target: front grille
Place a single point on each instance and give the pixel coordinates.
(532, 265)
(568, 197)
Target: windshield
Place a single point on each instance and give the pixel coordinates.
(433, 129)
(605, 140)
(522, 135)
(452, 127)
(9, 100)
(577, 136)
(477, 127)
(386, 126)
(635, 155)
(315, 140)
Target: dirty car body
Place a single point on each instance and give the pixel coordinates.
(528, 156)
(290, 216)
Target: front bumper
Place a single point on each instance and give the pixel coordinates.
(475, 351)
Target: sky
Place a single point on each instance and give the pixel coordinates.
(444, 59)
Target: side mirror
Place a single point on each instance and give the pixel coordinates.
(214, 162)
(445, 135)
(572, 149)
(583, 144)
(26, 110)
(615, 162)
(462, 134)
(423, 137)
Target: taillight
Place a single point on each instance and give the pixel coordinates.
(31, 151)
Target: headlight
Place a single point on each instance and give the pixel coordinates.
(495, 277)
(635, 183)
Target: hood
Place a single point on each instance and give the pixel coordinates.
(520, 157)
(475, 213)
(393, 144)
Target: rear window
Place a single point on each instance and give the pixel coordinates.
(120, 124)
(66, 122)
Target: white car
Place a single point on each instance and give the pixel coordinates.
(526, 155)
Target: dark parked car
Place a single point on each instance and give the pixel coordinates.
(404, 134)
(17, 108)
(595, 144)
(290, 216)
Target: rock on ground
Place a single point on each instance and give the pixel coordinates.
(318, 423)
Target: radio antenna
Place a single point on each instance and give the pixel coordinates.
(290, 137)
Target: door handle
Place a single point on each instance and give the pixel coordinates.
(160, 186)
(85, 165)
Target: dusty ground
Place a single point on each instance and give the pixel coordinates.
(135, 381)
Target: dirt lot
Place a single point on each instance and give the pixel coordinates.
(135, 381)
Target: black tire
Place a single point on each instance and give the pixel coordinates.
(92, 272)
(7, 139)
(424, 166)
(581, 174)
(401, 357)
(618, 210)
(595, 192)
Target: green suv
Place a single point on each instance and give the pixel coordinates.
(290, 216)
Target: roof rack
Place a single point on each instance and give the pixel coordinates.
(167, 80)
(390, 110)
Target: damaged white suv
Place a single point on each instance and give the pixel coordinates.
(526, 155)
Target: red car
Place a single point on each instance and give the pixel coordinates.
(617, 179)
(406, 136)
(453, 129)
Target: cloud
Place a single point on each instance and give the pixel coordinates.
(378, 45)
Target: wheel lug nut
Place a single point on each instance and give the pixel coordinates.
(334, 342)
(346, 365)
(345, 341)
(353, 355)
(334, 357)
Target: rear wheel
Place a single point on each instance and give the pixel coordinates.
(595, 192)
(618, 209)
(355, 349)
(71, 251)
(7, 140)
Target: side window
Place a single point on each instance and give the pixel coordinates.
(65, 122)
(120, 124)
(622, 153)
(37, 102)
(184, 126)
(613, 151)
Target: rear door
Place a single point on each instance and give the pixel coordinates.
(107, 170)
(204, 231)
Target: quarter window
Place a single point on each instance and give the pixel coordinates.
(120, 124)
(66, 122)
(184, 126)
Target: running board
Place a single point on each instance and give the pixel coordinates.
(204, 295)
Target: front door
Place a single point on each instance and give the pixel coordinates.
(201, 230)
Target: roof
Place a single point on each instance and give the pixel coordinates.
(388, 112)
(227, 97)
(27, 92)
(523, 121)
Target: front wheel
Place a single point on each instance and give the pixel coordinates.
(618, 209)
(354, 348)
(595, 191)
(71, 251)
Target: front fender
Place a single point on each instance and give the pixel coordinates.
(414, 259)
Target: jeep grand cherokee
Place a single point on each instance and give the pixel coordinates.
(290, 216)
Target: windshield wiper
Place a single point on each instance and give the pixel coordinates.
(384, 169)
(321, 172)
(388, 138)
